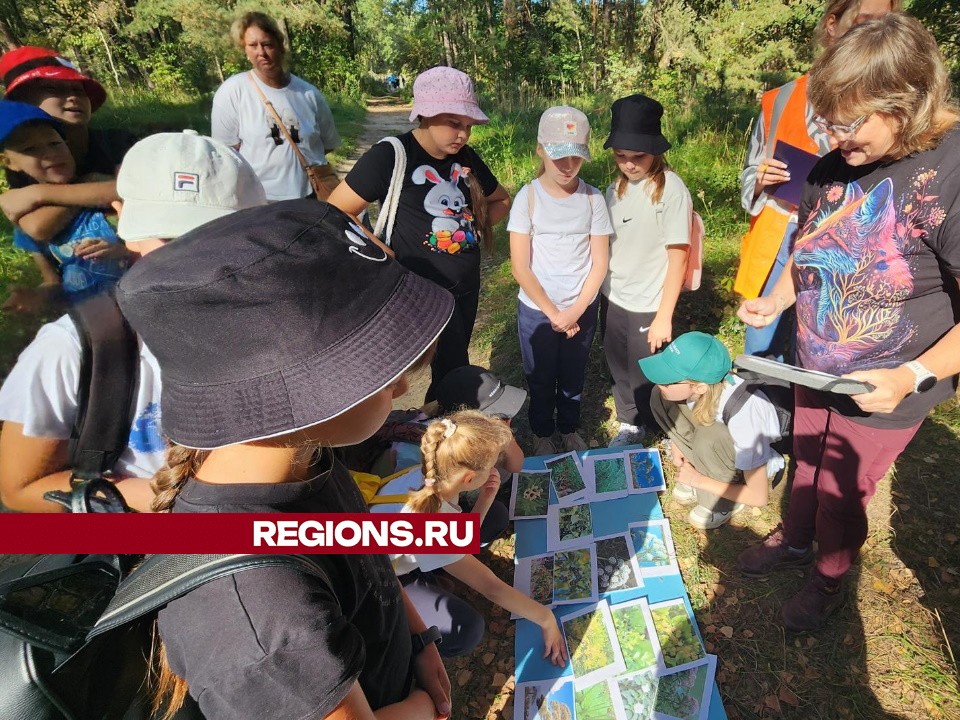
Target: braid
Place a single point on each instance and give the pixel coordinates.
(427, 498)
(182, 464)
(481, 212)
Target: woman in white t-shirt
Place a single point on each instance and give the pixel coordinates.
(559, 238)
(721, 467)
(460, 454)
(652, 212)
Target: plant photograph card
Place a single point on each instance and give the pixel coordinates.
(653, 548)
(639, 643)
(531, 494)
(606, 476)
(685, 695)
(533, 576)
(592, 645)
(567, 478)
(544, 700)
(617, 567)
(574, 576)
(569, 526)
(680, 646)
(645, 471)
(595, 702)
(634, 695)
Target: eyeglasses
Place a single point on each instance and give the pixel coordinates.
(840, 132)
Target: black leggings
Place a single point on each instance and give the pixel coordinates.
(454, 342)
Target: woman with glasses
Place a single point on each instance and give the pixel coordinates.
(279, 122)
(786, 116)
(874, 279)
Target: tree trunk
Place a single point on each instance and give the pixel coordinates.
(9, 38)
(106, 47)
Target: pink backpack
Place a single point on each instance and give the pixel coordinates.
(694, 272)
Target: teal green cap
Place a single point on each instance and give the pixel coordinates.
(692, 356)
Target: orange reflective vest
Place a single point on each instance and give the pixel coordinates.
(784, 118)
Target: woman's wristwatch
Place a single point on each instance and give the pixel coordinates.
(923, 379)
(421, 640)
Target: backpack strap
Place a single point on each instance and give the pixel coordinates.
(738, 398)
(388, 210)
(109, 367)
(161, 579)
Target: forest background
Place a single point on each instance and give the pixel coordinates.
(890, 653)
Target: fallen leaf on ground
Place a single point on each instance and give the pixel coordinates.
(499, 679)
(748, 634)
(772, 702)
(463, 677)
(488, 658)
(788, 696)
(950, 538)
(727, 631)
(932, 562)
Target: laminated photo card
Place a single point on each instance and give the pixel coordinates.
(680, 645)
(605, 476)
(645, 471)
(638, 639)
(617, 567)
(685, 695)
(575, 576)
(595, 702)
(567, 478)
(569, 526)
(533, 576)
(653, 548)
(544, 700)
(634, 695)
(531, 494)
(592, 645)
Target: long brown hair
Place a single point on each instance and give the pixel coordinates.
(481, 213)
(466, 440)
(654, 182)
(844, 12)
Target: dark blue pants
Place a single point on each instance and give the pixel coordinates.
(555, 367)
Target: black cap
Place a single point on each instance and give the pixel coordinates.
(276, 318)
(635, 126)
(476, 388)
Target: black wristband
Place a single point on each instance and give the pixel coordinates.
(420, 640)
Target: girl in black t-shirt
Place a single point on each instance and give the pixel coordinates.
(448, 201)
(300, 350)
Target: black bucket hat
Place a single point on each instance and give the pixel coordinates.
(276, 318)
(635, 126)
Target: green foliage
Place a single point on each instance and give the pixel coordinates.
(532, 494)
(679, 643)
(589, 644)
(634, 635)
(572, 575)
(594, 703)
(679, 694)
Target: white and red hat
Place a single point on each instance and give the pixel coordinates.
(26, 64)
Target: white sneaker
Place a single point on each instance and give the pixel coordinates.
(543, 446)
(572, 442)
(706, 519)
(684, 494)
(628, 435)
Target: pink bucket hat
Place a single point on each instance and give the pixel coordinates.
(445, 90)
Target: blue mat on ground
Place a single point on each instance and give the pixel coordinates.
(609, 516)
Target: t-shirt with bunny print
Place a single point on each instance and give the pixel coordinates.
(434, 234)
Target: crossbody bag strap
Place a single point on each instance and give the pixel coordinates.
(276, 116)
(388, 211)
(161, 579)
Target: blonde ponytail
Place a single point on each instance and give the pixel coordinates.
(468, 440)
(182, 464)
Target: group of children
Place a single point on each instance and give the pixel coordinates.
(581, 260)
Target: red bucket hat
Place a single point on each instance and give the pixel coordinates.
(26, 64)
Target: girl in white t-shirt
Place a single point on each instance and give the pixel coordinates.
(460, 453)
(721, 468)
(559, 239)
(652, 211)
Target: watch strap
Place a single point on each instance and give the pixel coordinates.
(420, 640)
(923, 379)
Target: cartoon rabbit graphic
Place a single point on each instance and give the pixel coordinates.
(452, 228)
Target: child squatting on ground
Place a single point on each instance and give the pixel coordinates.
(720, 468)
(253, 311)
(460, 454)
(85, 257)
(559, 246)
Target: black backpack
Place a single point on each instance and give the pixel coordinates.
(778, 392)
(109, 369)
(76, 631)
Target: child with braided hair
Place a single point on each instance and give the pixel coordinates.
(460, 453)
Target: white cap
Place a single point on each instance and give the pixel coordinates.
(171, 183)
(564, 131)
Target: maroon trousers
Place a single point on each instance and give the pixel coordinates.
(839, 463)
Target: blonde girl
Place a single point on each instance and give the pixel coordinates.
(559, 237)
(651, 211)
(460, 453)
(449, 199)
(720, 468)
(282, 334)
